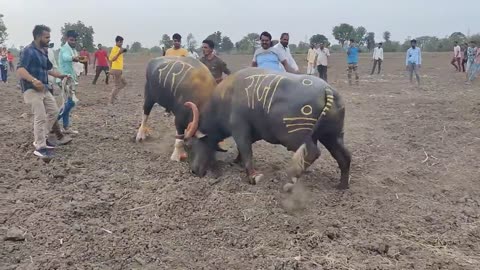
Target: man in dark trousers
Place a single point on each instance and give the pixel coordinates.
(101, 59)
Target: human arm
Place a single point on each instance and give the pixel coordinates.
(225, 69)
(115, 53)
(57, 74)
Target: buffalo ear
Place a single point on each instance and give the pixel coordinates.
(199, 134)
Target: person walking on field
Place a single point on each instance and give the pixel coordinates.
(10, 59)
(84, 59)
(33, 70)
(177, 49)
(101, 60)
(116, 58)
(471, 51)
(475, 67)
(414, 60)
(322, 61)
(352, 61)
(312, 54)
(4, 64)
(377, 58)
(457, 56)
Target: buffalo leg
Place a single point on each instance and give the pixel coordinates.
(335, 146)
(179, 153)
(305, 155)
(244, 145)
(238, 159)
(143, 130)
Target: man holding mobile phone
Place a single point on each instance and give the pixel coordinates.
(116, 58)
(33, 69)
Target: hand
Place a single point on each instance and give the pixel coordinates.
(38, 85)
(76, 59)
(63, 76)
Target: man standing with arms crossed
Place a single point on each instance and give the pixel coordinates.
(322, 61)
(116, 58)
(33, 69)
(101, 59)
(414, 60)
(377, 58)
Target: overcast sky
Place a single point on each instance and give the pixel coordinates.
(146, 21)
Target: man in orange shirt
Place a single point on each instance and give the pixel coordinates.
(84, 59)
(177, 49)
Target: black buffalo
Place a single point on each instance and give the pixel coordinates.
(173, 82)
(253, 104)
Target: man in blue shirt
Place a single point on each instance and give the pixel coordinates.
(269, 57)
(33, 69)
(413, 60)
(352, 61)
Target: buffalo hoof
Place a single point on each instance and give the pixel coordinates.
(343, 186)
(179, 157)
(255, 179)
(288, 187)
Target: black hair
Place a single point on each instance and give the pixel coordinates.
(39, 29)
(413, 40)
(266, 34)
(380, 43)
(71, 33)
(99, 44)
(118, 39)
(284, 34)
(209, 43)
(177, 36)
(352, 40)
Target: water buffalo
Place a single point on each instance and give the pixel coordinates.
(253, 104)
(173, 82)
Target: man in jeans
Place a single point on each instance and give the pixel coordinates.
(414, 60)
(116, 57)
(322, 61)
(101, 59)
(33, 69)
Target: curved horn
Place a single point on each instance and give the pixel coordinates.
(192, 126)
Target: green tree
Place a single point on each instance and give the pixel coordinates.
(319, 38)
(136, 47)
(458, 36)
(3, 30)
(302, 47)
(216, 37)
(370, 39)
(155, 49)
(191, 42)
(248, 42)
(85, 35)
(343, 32)
(359, 36)
(386, 36)
(166, 41)
(227, 44)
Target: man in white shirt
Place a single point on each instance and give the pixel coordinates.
(377, 58)
(312, 54)
(457, 56)
(283, 45)
(51, 58)
(322, 61)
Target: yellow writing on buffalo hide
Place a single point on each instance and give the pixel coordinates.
(173, 73)
(262, 89)
(295, 124)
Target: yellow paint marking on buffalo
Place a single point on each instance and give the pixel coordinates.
(299, 129)
(300, 118)
(300, 124)
(307, 110)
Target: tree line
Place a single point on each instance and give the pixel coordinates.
(342, 33)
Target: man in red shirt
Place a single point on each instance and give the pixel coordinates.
(101, 59)
(84, 59)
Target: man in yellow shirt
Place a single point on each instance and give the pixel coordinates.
(177, 50)
(116, 58)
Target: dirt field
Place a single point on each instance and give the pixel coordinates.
(107, 203)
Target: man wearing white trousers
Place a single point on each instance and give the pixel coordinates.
(312, 54)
